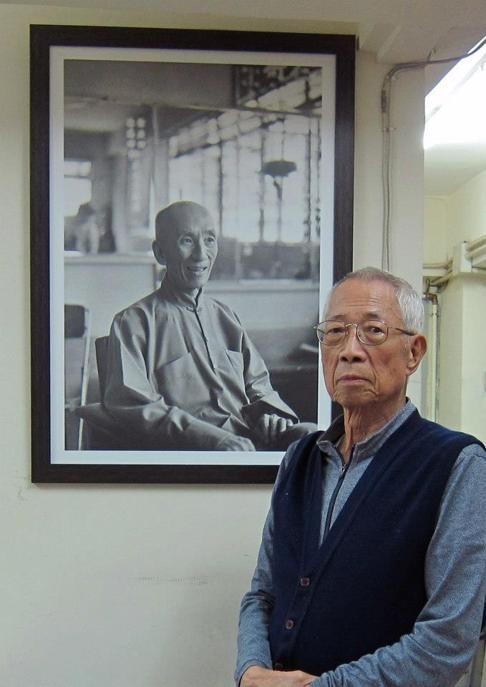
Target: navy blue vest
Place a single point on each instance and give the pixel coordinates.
(364, 586)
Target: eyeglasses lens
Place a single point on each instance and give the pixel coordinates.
(371, 332)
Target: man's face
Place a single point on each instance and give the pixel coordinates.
(189, 249)
(357, 375)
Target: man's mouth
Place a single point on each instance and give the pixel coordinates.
(352, 379)
(196, 269)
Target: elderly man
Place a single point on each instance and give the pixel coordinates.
(181, 371)
(372, 565)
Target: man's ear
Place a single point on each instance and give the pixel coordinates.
(159, 256)
(418, 348)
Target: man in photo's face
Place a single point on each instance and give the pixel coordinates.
(186, 243)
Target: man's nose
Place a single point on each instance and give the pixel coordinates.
(199, 250)
(352, 348)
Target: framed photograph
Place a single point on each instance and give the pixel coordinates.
(191, 206)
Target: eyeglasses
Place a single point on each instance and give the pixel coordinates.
(369, 333)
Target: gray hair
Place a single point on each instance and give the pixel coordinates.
(409, 301)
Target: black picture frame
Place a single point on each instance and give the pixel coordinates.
(43, 38)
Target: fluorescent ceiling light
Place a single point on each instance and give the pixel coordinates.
(455, 110)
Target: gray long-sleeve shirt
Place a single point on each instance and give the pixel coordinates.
(444, 637)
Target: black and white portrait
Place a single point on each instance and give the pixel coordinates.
(238, 147)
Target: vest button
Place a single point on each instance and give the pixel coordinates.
(289, 624)
(278, 666)
(304, 581)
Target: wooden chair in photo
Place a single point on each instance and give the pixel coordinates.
(77, 323)
(102, 432)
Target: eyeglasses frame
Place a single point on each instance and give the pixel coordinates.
(346, 325)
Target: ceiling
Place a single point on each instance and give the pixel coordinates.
(394, 30)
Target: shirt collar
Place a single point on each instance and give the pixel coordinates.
(373, 443)
(182, 298)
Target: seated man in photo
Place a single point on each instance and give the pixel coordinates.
(181, 371)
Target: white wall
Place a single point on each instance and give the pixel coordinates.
(407, 118)
(435, 235)
(140, 586)
(467, 211)
(460, 216)
(450, 220)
